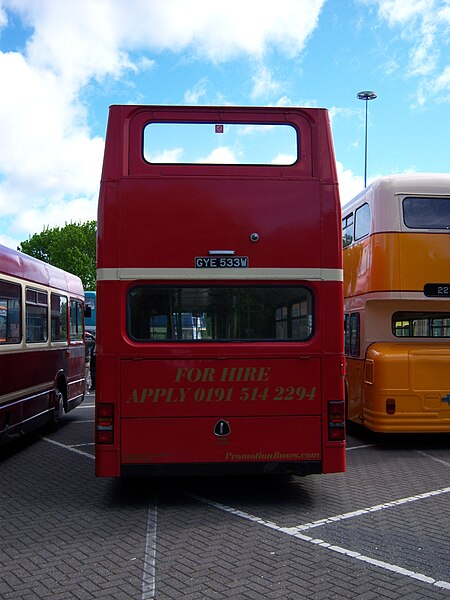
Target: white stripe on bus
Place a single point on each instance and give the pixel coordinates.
(260, 274)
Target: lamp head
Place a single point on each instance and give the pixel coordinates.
(366, 95)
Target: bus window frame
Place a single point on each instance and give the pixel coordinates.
(354, 334)
(427, 316)
(348, 225)
(76, 321)
(17, 299)
(357, 221)
(309, 298)
(347, 334)
(296, 146)
(411, 197)
(62, 317)
(29, 302)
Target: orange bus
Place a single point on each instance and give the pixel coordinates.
(219, 292)
(42, 357)
(396, 236)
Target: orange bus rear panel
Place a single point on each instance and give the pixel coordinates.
(397, 304)
(408, 388)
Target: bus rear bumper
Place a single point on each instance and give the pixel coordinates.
(419, 422)
(221, 469)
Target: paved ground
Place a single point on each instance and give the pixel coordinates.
(379, 531)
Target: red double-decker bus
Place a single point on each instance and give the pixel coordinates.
(42, 353)
(219, 291)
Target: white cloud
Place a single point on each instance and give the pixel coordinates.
(424, 55)
(403, 11)
(145, 64)
(194, 95)
(349, 184)
(422, 24)
(221, 30)
(444, 14)
(284, 101)
(3, 17)
(244, 130)
(46, 154)
(76, 40)
(10, 242)
(167, 156)
(82, 38)
(50, 163)
(417, 22)
(263, 83)
(35, 219)
(223, 156)
(442, 82)
(284, 159)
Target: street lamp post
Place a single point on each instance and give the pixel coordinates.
(366, 95)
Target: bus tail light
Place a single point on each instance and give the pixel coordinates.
(104, 424)
(336, 420)
(390, 406)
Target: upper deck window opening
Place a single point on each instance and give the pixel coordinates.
(421, 324)
(426, 213)
(221, 144)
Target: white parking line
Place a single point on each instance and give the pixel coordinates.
(438, 460)
(148, 583)
(70, 448)
(295, 532)
(361, 447)
(81, 445)
(149, 570)
(430, 456)
(366, 511)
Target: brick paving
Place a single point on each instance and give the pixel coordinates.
(65, 535)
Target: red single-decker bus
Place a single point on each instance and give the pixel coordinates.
(42, 352)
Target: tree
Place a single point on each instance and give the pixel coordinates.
(72, 248)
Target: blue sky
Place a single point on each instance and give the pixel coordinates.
(63, 62)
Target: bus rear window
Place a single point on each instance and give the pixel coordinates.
(426, 213)
(421, 324)
(220, 144)
(219, 313)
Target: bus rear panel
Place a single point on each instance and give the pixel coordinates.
(219, 330)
